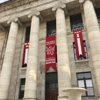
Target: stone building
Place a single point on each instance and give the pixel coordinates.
(25, 25)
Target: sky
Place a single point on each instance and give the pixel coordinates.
(3, 1)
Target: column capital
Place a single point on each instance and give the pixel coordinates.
(14, 19)
(35, 13)
(61, 5)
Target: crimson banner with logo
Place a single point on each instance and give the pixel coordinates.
(50, 53)
(25, 54)
(78, 39)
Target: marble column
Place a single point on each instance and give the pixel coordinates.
(63, 67)
(93, 32)
(31, 73)
(8, 61)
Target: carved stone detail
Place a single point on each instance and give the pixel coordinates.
(61, 5)
(14, 19)
(34, 12)
(23, 71)
(42, 67)
(82, 64)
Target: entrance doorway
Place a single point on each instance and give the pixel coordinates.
(51, 86)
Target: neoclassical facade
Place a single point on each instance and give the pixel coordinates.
(25, 26)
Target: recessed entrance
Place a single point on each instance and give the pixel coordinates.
(51, 91)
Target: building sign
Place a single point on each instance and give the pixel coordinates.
(78, 39)
(50, 53)
(25, 54)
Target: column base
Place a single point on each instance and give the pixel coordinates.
(74, 93)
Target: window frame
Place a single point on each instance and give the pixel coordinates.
(85, 49)
(20, 90)
(84, 80)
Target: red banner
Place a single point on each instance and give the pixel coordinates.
(25, 54)
(78, 39)
(50, 53)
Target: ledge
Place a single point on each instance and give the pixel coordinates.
(82, 63)
(84, 60)
(23, 71)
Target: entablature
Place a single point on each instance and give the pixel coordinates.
(22, 9)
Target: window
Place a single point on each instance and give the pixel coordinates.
(27, 35)
(85, 81)
(74, 49)
(51, 28)
(22, 85)
(26, 47)
(98, 15)
(76, 22)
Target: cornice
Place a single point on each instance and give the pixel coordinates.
(13, 4)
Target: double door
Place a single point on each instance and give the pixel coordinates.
(51, 92)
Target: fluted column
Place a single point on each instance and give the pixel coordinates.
(93, 32)
(63, 67)
(8, 61)
(31, 73)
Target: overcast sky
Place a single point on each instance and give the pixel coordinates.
(3, 1)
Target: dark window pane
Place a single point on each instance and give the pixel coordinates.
(90, 91)
(56, 85)
(23, 81)
(21, 95)
(27, 35)
(87, 75)
(76, 22)
(50, 86)
(53, 85)
(51, 28)
(80, 76)
(51, 77)
(98, 14)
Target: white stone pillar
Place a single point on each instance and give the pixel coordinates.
(93, 32)
(63, 67)
(8, 61)
(31, 73)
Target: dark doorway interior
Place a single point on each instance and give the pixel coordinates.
(51, 86)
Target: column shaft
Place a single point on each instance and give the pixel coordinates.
(94, 38)
(31, 74)
(8, 62)
(64, 76)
